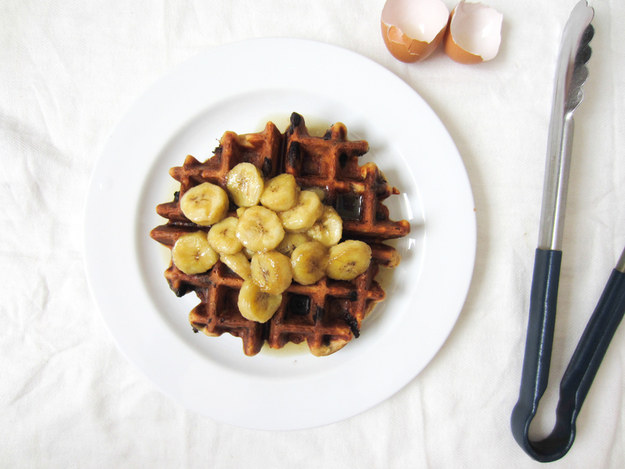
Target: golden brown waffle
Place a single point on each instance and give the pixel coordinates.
(329, 313)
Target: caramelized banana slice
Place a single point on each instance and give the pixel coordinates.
(309, 261)
(259, 229)
(291, 241)
(348, 260)
(305, 213)
(238, 263)
(223, 236)
(192, 254)
(204, 204)
(328, 230)
(280, 193)
(319, 191)
(255, 304)
(271, 271)
(245, 184)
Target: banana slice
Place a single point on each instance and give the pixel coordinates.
(319, 191)
(204, 204)
(223, 236)
(192, 254)
(238, 263)
(309, 262)
(248, 253)
(328, 230)
(240, 211)
(280, 193)
(305, 213)
(271, 271)
(245, 184)
(291, 241)
(259, 229)
(255, 304)
(348, 260)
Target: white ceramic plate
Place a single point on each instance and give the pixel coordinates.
(239, 87)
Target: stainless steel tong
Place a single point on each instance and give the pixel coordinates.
(571, 74)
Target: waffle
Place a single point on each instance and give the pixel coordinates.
(329, 313)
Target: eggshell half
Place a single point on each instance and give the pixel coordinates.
(474, 33)
(413, 29)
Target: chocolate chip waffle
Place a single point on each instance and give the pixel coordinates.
(329, 313)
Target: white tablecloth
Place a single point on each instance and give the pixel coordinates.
(68, 398)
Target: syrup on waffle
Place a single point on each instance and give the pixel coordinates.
(329, 313)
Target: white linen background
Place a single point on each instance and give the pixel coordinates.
(68, 398)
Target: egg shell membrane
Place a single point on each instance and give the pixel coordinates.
(471, 15)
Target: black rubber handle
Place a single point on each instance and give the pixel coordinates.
(581, 369)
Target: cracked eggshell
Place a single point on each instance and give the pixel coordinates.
(413, 29)
(474, 33)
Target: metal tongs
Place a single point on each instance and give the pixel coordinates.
(570, 76)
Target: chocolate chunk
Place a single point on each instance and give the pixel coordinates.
(266, 168)
(293, 154)
(343, 159)
(296, 119)
(352, 323)
(298, 305)
(182, 290)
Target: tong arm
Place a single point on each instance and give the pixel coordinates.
(584, 363)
